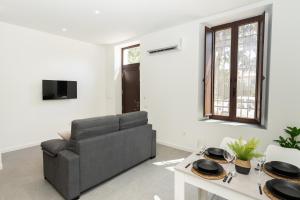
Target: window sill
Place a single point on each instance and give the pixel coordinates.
(228, 123)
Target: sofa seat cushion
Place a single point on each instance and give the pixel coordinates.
(133, 119)
(86, 128)
(53, 147)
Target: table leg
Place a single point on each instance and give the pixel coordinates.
(179, 186)
(202, 194)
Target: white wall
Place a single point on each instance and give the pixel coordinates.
(171, 82)
(0, 161)
(26, 58)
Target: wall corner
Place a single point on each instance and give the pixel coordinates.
(1, 161)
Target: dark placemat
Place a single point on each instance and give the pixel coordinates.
(280, 177)
(269, 194)
(210, 177)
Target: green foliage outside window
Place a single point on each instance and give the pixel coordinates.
(133, 55)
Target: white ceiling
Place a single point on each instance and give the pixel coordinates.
(118, 19)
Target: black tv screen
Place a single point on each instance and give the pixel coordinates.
(59, 89)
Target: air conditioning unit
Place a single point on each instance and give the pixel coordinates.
(166, 47)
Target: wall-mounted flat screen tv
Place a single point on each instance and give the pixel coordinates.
(53, 89)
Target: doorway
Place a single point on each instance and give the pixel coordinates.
(131, 78)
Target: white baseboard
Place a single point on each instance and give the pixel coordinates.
(175, 146)
(19, 147)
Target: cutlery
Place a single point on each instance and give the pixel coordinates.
(188, 165)
(259, 178)
(259, 187)
(230, 158)
(198, 154)
(226, 177)
(233, 173)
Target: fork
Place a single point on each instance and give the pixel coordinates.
(188, 165)
(226, 177)
(233, 173)
(198, 154)
(259, 188)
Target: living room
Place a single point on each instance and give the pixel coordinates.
(88, 42)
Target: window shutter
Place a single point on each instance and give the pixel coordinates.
(260, 68)
(208, 72)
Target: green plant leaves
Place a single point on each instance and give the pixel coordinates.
(245, 151)
(291, 141)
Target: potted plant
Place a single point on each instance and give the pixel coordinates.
(291, 141)
(244, 151)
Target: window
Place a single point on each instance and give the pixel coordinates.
(131, 55)
(233, 70)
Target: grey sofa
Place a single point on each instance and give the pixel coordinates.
(99, 149)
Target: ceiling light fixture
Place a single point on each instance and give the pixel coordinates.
(64, 30)
(97, 12)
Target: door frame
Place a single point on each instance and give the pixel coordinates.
(124, 67)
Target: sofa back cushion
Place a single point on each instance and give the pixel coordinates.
(86, 128)
(133, 119)
(105, 156)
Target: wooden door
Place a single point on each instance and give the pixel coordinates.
(130, 85)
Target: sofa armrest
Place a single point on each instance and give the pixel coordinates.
(68, 174)
(62, 172)
(53, 147)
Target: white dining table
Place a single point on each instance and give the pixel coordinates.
(242, 187)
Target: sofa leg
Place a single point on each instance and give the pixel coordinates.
(152, 157)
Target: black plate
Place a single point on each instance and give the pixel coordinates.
(282, 169)
(215, 153)
(283, 189)
(285, 168)
(208, 167)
